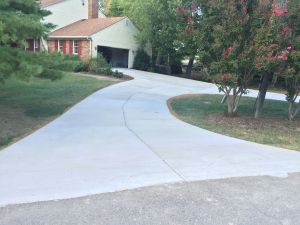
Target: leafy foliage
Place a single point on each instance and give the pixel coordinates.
(142, 61)
(16, 62)
(20, 20)
(99, 65)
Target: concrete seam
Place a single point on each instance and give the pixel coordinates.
(147, 145)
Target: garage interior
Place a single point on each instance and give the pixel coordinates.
(115, 56)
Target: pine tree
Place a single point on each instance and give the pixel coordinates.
(20, 20)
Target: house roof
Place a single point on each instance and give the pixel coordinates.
(46, 3)
(86, 27)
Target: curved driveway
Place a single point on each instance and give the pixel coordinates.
(124, 137)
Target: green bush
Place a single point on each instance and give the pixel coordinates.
(118, 74)
(142, 61)
(16, 62)
(176, 66)
(95, 64)
(99, 65)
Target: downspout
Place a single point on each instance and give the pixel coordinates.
(91, 47)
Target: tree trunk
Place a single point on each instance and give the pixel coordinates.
(291, 111)
(169, 70)
(158, 59)
(190, 67)
(230, 106)
(260, 100)
(294, 109)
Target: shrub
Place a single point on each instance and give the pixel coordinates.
(41, 64)
(95, 64)
(142, 61)
(118, 74)
(176, 67)
(99, 65)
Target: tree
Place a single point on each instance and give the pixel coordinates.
(19, 21)
(142, 60)
(229, 29)
(190, 31)
(269, 45)
(159, 28)
(116, 8)
(291, 57)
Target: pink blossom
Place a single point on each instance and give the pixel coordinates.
(227, 52)
(289, 47)
(280, 11)
(283, 57)
(226, 76)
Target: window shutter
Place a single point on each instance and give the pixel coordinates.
(71, 47)
(64, 47)
(79, 47)
(31, 45)
(56, 45)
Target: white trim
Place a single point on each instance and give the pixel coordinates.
(60, 48)
(35, 44)
(75, 53)
(66, 37)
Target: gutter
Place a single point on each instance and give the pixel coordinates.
(69, 37)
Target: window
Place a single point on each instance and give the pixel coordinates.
(60, 46)
(36, 45)
(75, 47)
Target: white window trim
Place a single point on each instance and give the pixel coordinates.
(75, 53)
(35, 44)
(60, 46)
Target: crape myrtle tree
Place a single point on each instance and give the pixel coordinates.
(291, 57)
(230, 31)
(270, 45)
(19, 20)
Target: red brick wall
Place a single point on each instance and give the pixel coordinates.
(93, 9)
(84, 51)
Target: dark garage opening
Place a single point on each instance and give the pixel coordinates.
(115, 56)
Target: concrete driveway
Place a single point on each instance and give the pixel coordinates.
(124, 137)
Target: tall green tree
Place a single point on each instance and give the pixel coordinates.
(116, 8)
(19, 21)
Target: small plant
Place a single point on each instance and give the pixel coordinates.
(118, 74)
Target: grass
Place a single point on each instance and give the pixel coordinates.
(272, 128)
(27, 105)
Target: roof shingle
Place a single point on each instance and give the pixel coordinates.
(85, 28)
(46, 3)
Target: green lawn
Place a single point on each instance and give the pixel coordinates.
(207, 112)
(28, 105)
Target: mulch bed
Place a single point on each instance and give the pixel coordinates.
(256, 124)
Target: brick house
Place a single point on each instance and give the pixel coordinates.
(87, 33)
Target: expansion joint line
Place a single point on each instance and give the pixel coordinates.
(145, 143)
